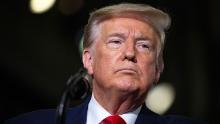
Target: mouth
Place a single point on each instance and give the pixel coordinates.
(126, 70)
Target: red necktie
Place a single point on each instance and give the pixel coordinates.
(114, 119)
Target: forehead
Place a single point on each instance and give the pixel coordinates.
(127, 26)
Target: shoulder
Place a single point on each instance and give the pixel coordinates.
(36, 117)
(48, 116)
(147, 116)
(176, 119)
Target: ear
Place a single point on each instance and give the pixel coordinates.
(87, 61)
(159, 70)
(157, 75)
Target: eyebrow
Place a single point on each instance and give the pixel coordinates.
(143, 38)
(121, 35)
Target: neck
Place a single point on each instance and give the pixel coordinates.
(118, 102)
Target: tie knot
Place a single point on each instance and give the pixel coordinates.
(114, 119)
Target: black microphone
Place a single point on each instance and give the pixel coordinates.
(77, 88)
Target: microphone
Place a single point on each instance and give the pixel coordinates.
(78, 85)
(77, 88)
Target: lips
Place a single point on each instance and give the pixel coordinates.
(127, 70)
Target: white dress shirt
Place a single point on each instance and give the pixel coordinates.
(96, 113)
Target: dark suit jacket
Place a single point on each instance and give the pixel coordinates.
(77, 115)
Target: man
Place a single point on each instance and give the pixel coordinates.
(123, 47)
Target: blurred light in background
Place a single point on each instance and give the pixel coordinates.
(41, 6)
(160, 98)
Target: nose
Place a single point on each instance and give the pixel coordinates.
(129, 52)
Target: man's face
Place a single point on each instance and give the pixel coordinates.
(123, 57)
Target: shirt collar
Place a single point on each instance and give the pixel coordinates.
(96, 113)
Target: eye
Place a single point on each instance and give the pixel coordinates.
(114, 43)
(143, 45)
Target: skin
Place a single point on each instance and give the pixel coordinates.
(122, 62)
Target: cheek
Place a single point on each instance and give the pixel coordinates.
(148, 70)
(102, 67)
(102, 63)
(105, 57)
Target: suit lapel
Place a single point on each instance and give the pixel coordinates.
(78, 115)
(146, 116)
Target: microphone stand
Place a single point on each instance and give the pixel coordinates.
(77, 88)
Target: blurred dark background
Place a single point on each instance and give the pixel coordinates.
(38, 52)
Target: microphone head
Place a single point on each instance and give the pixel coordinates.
(81, 89)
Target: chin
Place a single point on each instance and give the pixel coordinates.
(128, 86)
